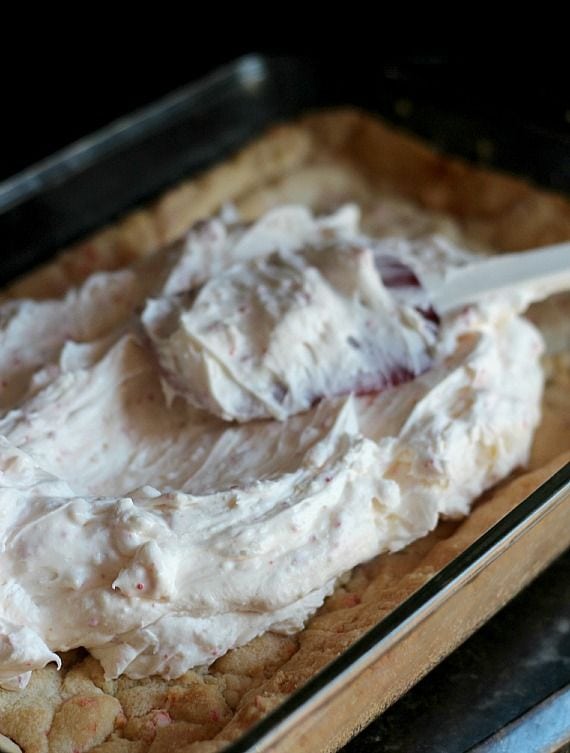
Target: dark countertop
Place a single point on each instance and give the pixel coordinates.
(516, 660)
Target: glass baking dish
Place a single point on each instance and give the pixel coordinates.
(101, 177)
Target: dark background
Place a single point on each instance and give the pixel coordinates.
(75, 86)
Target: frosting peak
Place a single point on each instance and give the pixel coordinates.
(157, 535)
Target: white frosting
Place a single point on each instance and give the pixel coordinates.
(158, 536)
(265, 338)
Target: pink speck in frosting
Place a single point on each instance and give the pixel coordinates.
(162, 719)
(140, 586)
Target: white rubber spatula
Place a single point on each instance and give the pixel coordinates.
(537, 273)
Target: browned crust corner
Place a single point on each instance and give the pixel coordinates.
(281, 150)
(503, 211)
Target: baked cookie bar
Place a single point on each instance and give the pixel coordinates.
(322, 161)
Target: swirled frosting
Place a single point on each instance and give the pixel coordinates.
(158, 535)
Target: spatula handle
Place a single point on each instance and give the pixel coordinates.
(542, 272)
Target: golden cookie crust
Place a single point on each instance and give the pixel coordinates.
(319, 160)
